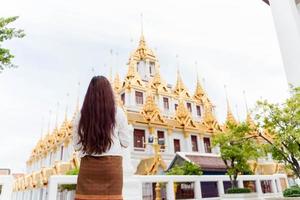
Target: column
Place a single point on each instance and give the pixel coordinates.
(258, 187)
(287, 23)
(240, 184)
(170, 190)
(197, 189)
(273, 186)
(221, 187)
(279, 185)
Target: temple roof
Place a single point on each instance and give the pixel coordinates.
(143, 52)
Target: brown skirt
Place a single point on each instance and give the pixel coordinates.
(100, 178)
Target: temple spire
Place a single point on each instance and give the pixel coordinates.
(117, 82)
(66, 110)
(230, 117)
(180, 88)
(249, 119)
(199, 92)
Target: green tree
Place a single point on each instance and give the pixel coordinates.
(237, 147)
(280, 127)
(7, 33)
(187, 168)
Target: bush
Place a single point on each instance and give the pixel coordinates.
(70, 187)
(187, 168)
(293, 191)
(237, 190)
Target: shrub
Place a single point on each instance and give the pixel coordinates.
(293, 191)
(237, 190)
(187, 168)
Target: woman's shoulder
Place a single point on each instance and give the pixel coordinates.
(120, 113)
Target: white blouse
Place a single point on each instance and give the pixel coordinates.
(120, 137)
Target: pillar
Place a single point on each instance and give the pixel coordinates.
(287, 24)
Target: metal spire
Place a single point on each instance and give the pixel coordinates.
(57, 111)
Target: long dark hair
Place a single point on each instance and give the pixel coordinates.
(97, 117)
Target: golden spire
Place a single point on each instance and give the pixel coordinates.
(142, 52)
(199, 90)
(209, 119)
(180, 88)
(230, 117)
(117, 82)
(249, 119)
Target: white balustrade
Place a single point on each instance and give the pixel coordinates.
(55, 181)
(6, 181)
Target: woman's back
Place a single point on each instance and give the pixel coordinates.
(99, 133)
(120, 137)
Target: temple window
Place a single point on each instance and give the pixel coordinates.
(61, 152)
(189, 106)
(139, 139)
(161, 139)
(176, 145)
(139, 98)
(166, 103)
(198, 108)
(176, 105)
(151, 68)
(194, 143)
(123, 98)
(207, 144)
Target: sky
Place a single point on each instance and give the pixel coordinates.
(230, 43)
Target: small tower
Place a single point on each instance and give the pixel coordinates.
(144, 59)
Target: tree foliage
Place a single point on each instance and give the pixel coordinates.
(280, 128)
(187, 168)
(7, 33)
(237, 147)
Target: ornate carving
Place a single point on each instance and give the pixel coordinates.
(150, 110)
(183, 116)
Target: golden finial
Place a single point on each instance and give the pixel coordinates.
(142, 25)
(142, 42)
(56, 117)
(180, 88)
(49, 122)
(117, 82)
(66, 110)
(199, 90)
(249, 119)
(230, 117)
(42, 128)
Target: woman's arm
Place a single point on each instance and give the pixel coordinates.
(123, 128)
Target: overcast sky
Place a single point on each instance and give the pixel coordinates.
(233, 42)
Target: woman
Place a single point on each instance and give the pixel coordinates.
(100, 132)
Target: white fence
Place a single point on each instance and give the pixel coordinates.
(6, 182)
(52, 193)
